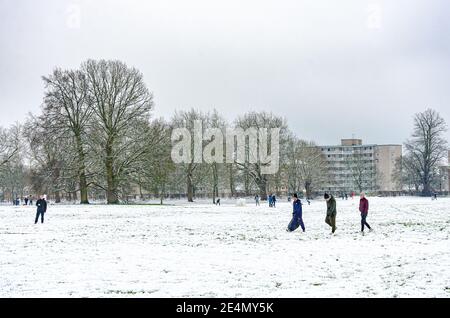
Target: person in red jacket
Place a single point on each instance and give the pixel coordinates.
(364, 209)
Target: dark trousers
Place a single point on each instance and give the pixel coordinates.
(37, 217)
(295, 223)
(331, 221)
(363, 222)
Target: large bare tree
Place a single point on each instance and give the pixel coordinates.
(427, 147)
(67, 108)
(121, 105)
(257, 120)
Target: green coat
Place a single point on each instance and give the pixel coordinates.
(331, 206)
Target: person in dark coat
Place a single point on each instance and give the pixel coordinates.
(364, 209)
(273, 200)
(257, 200)
(41, 209)
(26, 201)
(270, 200)
(330, 219)
(297, 219)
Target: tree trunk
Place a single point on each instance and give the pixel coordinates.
(111, 191)
(190, 188)
(262, 184)
(82, 172)
(308, 190)
(57, 196)
(231, 181)
(55, 181)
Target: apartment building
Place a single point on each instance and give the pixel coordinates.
(354, 166)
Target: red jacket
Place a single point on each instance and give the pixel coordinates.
(364, 206)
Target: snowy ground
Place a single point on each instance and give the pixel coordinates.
(201, 250)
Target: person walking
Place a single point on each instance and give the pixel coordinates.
(297, 218)
(364, 209)
(270, 200)
(41, 209)
(274, 199)
(257, 200)
(330, 219)
(26, 201)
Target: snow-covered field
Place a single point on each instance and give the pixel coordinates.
(202, 250)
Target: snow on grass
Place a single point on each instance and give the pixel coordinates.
(203, 250)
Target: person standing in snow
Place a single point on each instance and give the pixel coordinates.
(26, 201)
(274, 200)
(257, 200)
(270, 200)
(41, 209)
(364, 209)
(297, 219)
(330, 219)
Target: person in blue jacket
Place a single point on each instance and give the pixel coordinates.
(297, 219)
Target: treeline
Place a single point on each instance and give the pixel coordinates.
(95, 137)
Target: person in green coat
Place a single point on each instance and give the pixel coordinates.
(331, 212)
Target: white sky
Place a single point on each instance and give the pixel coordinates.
(332, 68)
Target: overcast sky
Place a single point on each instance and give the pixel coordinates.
(332, 68)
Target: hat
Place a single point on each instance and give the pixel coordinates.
(295, 195)
(326, 196)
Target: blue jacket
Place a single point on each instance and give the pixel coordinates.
(297, 205)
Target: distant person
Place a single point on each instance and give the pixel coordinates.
(346, 196)
(274, 199)
(297, 219)
(330, 219)
(364, 209)
(31, 200)
(26, 201)
(257, 200)
(218, 202)
(435, 196)
(41, 209)
(289, 198)
(270, 200)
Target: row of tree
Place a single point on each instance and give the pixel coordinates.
(95, 138)
(95, 135)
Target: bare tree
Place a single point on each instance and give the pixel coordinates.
(362, 170)
(406, 174)
(155, 168)
(13, 174)
(427, 147)
(307, 166)
(67, 108)
(193, 172)
(122, 105)
(8, 146)
(257, 120)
